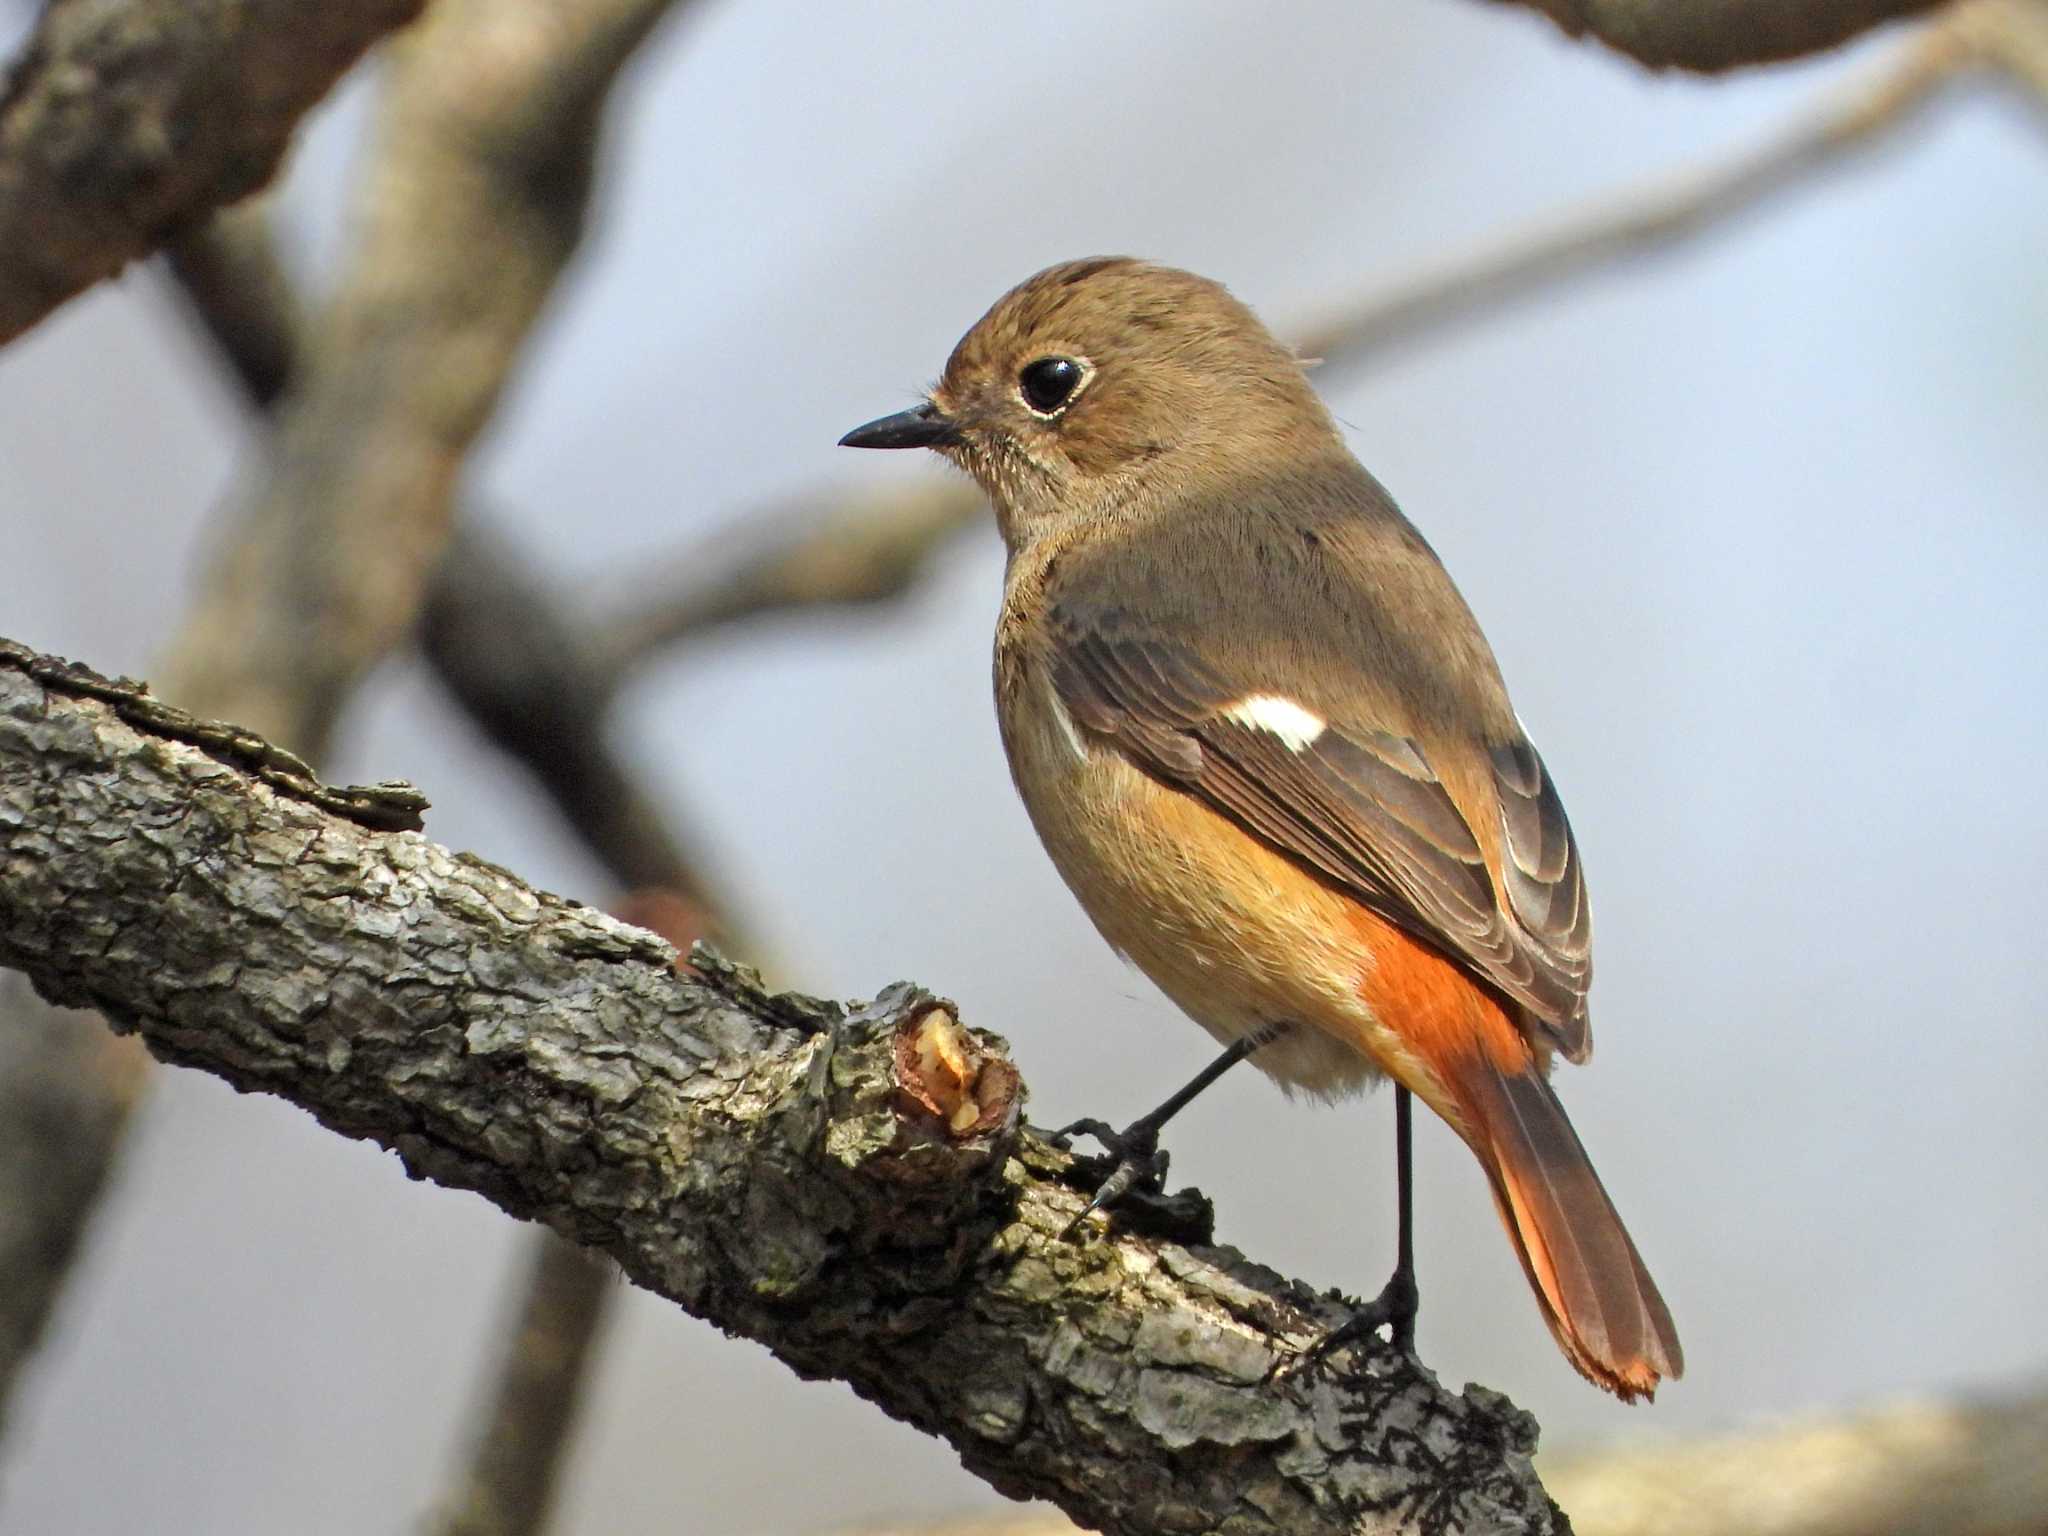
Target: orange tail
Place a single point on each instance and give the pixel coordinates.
(1464, 1056)
(1599, 1300)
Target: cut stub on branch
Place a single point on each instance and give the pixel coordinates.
(966, 1087)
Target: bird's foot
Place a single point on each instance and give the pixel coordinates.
(1393, 1309)
(1138, 1162)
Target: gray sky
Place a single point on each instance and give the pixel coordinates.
(1759, 533)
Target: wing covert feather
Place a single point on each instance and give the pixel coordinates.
(1361, 808)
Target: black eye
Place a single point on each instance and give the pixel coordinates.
(1049, 383)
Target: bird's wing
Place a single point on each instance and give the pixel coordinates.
(1361, 808)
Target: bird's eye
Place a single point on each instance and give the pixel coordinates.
(1049, 383)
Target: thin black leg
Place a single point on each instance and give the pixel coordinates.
(1136, 1146)
(1398, 1301)
(1401, 1297)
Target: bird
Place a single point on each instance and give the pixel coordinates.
(1269, 750)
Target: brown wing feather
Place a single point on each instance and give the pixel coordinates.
(1361, 808)
(1541, 874)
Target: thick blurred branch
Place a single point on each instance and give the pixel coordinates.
(511, 657)
(508, 164)
(65, 1091)
(470, 211)
(851, 1190)
(522, 671)
(124, 119)
(2011, 36)
(65, 1098)
(848, 551)
(1721, 34)
(509, 1484)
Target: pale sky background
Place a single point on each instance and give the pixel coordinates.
(1759, 532)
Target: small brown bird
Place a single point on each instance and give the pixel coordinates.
(1268, 748)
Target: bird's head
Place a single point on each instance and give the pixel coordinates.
(1107, 379)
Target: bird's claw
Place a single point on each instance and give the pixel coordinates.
(1140, 1163)
(1393, 1309)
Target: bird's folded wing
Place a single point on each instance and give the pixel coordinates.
(1358, 807)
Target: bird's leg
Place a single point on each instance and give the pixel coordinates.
(1139, 1159)
(1398, 1301)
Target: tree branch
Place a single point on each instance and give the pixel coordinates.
(866, 550)
(1713, 35)
(851, 1189)
(523, 671)
(234, 288)
(472, 208)
(846, 551)
(524, 674)
(1646, 219)
(65, 1092)
(2012, 38)
(124, 119)
(508, 1485)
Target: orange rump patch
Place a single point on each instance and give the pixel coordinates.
(1445, 1017)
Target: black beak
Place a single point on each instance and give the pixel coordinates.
(922, 426)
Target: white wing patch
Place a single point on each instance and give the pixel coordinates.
(1068, 731)
(1296, 727)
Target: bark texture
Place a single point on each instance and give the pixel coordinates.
(125, 120)
(852, 1188)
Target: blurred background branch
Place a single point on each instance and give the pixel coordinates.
(854, 550)
(1920, 1469)
(847, 550)
(124, 119)
(66, 1088)
(490, 630)
(471, 208)
(1643, 221)
(1721, 34)
(527, 1420)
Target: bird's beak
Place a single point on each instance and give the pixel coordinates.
(922, 426)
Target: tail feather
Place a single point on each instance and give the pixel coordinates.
(1455, 1045)
(1601, 1304)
